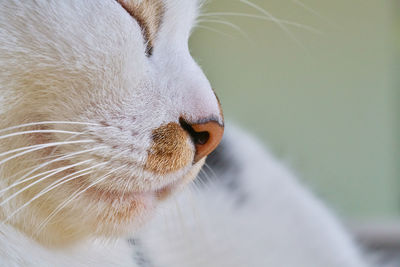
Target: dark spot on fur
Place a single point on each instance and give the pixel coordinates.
(223, 169)
(140, 257)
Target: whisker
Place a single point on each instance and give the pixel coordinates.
(47, 122)
(52, 152)
(76, 194)
(68, 139)
(58, 183)
(57, 209)
(287, 22)
(26, 180)
(274, 19)
(228, 24)
(46, 190)
(314, 12)
(201, 182)
(67, 156)
(19, 173)
(36, 131)
(42, 179)
(37, 147)
(211, 170)
(45, 158)
(23, 180)
(214, 30)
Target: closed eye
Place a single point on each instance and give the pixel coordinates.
(148, 14)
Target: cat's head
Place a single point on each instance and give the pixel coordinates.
(112, 113)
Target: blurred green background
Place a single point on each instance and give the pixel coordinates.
(320, 88)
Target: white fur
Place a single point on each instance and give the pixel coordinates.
(17, 250)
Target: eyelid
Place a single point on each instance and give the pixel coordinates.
(142, 25)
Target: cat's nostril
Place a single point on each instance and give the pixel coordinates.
(199, 138)
(205, 135)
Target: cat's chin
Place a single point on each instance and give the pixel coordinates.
(100, 213)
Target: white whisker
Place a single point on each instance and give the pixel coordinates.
(33, 148)
(211, 170)
(45, 158)
(58, 183)
(287, 22)
(214, 30)
(228, 24)
(69, 138)
(76, 194)
(37, 131)
(24, 178)
(20, 180)
(314, 12)
(42, 179)
(205, 184)
(48, 189)
(274, 19)
(46, 122)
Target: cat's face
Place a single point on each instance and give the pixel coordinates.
(126, 115)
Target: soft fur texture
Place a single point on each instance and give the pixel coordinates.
(91, 98)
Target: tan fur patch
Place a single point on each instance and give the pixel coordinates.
(170, 151)
(148, 14)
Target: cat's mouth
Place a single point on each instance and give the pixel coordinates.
(108, 193)
(100, 194)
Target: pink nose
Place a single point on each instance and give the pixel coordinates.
(205, 135)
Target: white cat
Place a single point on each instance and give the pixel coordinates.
(103, 115)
